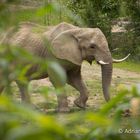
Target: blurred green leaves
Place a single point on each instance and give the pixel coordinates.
(45, 10)
(20, 122)
(56, 74)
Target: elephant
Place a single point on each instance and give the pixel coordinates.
(70, 44)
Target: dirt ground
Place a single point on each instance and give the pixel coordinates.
(92, 78)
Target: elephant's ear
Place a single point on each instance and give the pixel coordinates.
(65, 46)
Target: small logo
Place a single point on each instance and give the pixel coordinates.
(120, 131)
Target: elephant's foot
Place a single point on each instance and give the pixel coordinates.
(63, 109)
(25, 98)
(62, 103)
(80, 102)
(63, 106)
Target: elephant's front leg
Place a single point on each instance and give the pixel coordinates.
(75, 80)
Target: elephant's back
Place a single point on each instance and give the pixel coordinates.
(29, 39)
(58, 29)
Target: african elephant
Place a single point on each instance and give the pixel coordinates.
(71, 44)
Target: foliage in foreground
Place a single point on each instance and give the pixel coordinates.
(20, 122)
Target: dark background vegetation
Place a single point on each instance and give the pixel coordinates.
(120, 22)
(104, 14)
(107, 13)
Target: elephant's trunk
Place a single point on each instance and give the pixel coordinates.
(106, 79)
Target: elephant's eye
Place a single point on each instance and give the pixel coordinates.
(92, 46)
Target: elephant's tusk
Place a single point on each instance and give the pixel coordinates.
(115, 49)
(120, 60)
(102, 62)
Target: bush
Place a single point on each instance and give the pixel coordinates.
(113, 121)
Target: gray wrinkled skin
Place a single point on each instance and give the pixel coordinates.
(70, 45)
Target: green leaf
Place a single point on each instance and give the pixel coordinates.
(56, 74)
(44, 10)
(113, 102)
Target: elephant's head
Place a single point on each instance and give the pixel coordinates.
(88, 44)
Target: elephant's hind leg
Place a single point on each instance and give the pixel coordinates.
(25, 97)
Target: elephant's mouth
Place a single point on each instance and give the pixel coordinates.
(90, 59)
